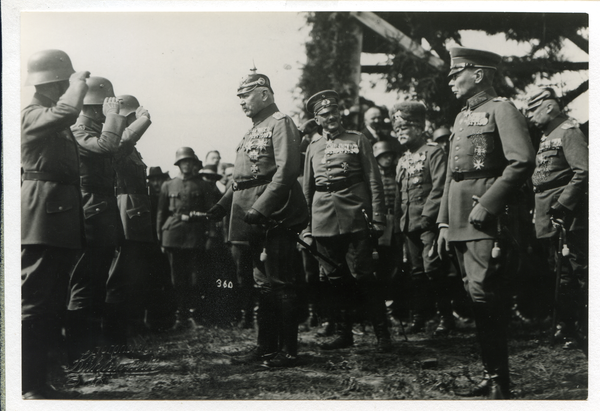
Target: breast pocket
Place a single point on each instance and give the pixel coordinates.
(481, 140)
(94, 209)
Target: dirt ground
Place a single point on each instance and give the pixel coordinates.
(195, 365)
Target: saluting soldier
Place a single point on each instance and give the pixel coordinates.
(126, 280)
(51, 227)
(98, 132)
(421, 177)
(560, 182)
(341, 183)
(182, 232)
(491, 156)
(265, 190)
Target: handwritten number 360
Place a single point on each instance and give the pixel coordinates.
(224, 284)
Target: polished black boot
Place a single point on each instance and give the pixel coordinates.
(343, 337)
(34, 358)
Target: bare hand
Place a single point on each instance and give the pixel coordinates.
(110, 106)
(141, 111)
(443, 246)
(479, 216)
(80, 75)
(309, 240)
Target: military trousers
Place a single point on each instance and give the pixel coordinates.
(185, 266)
(44, 282)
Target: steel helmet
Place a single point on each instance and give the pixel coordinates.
(382, 147)
(98, 89)
(183, 153)
(48, 66)
(441, 132)
(127, 104)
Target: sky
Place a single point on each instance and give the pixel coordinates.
(185, 67)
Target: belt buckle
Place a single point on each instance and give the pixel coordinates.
(234, 186)
(329, 187)
(458, 176)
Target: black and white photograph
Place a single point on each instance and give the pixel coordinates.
(347, 203)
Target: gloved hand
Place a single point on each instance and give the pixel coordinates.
(558, 211)
(254, 217)
(378, 229)
(80, 75)
(141, 111)
(110, 106)
(427, 223)
(216, 213)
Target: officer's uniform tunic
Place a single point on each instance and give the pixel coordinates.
(421, 177)
(490, 137)
(346, 157)
(51, 226)
(98, 145)
(561, 175)
(183, 235)
(268, 154)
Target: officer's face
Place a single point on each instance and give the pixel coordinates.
(186, 166)
(329, 119)
(252, 102)
(373, 119)
(463, 83)
(385, 160)
(540, 115)
(408, 134)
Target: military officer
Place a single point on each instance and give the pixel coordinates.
(98, 132)
(51, 229)
(341, 184)
(560, 182)
(421, 177)
(126, 283)
(182, 232)
(374, 132)
(266, 190)
(491, 156)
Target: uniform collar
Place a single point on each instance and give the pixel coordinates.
(555, 122)
(330, 136)
(480, 98)
(43, 100)
(89, 122)
(264, 113)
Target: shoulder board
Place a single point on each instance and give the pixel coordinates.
(569, 124)
(278, 115)
(500, 99)
(353, 132)
(432, 143)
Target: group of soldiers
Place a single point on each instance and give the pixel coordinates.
(354, 202)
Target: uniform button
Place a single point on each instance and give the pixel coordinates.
(329, 177)
(457, 148)
(456, 168)
(60, 208)
(97, 209)
(328, 162)
(457, 138)
(139, 213)
(328, 169)
(456, 157)
(461, 129)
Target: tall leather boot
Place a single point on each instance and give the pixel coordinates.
(83, 331)
(288, 318)
(421, 302)
(377, 314)
(341, 302)
(441, 292)
(34, 358)
(267, 323)
(491, 324)
(114, 327)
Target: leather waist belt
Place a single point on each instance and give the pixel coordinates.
(473, 175)
(551, 184)
(43, 176)
(105, 191)
(125, 190)
(243, 185)
(339, 185)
